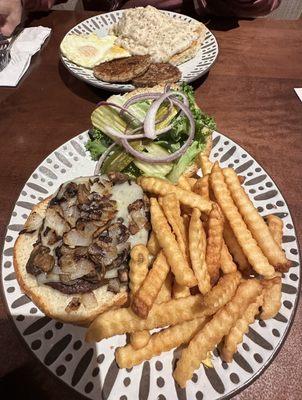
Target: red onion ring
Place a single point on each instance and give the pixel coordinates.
(141, 156)
(102, 159)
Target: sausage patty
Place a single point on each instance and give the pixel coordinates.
(157, 74)
(122, 69)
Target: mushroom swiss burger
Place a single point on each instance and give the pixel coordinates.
(72, 256)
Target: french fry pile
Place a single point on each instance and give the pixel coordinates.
(211, 266)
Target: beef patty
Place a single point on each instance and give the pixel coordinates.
(156, 74)
(123, 69)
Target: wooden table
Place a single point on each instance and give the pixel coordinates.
(250, 93)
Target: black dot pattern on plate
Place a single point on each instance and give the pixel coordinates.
(231, 165)
(161, 397)
(224, 365)
(268, 184)
(260, 209)
(194, 378)
(123, 397)
(35, 176)
(226, 142)
(23, 193)
(160, 382)
(11, 289)
(262, 323)
(236, 161)
(199, 395)
(56, 166)
(33, 310)
(59, 325)
(95, 372)
(293, 277)
(294, 251)
(261, 188)
(48, 334)
(158, 365)
(61, 370)
(289, 226)
(14, 213)
(249, 174)
(127, 381)
(32, 196)
(215, 352)
(245, 346)
(88, 387)
(258, 169)
(252, 191)
(68, 357)
(220, 149)
(128, 369)
(258, 358)
(269, 206)
(50, 183)
(63, 170)
(287, 304)
(7, 264)
(276, 332)
(234, 378)
(20, 318)
(280, 203)
(77, 345)
(36, 344)
(216, 155)
(42, 179)
(8, 239)
(24, 216)
(244, 155)
(100, 358)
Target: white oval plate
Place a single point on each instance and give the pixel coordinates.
(91, 370)
(100, 24)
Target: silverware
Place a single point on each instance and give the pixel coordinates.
(5, 47)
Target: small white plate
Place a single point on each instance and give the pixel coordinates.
(100, 24)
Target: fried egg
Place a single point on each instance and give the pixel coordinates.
(90, 50)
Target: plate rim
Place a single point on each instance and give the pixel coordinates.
(110, 87)
(224, 397)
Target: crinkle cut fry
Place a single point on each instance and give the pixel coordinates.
(139, 260)
(183, 183)
(255, 222)
(153, 245)
(171, 209)
(123, 320)
(223, 292)
(235, 336)
(179, 266)
(212, 333)
(197, 248)
(201, 187)
(165, 340)
(145, 296)
(271, 297)
(180, 291)
(138, 267)
(227, 264)
(275, 225)
(214, 243)
(165, 293)
(234, 248)
(205, 164)
(162, 187)
(248, 244)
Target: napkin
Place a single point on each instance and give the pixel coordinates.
(299, 92)
(25, 46)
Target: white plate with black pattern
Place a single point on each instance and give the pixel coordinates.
(100, 24)
(91, 369)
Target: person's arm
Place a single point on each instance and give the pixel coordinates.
(11, 12)
(238, 8)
